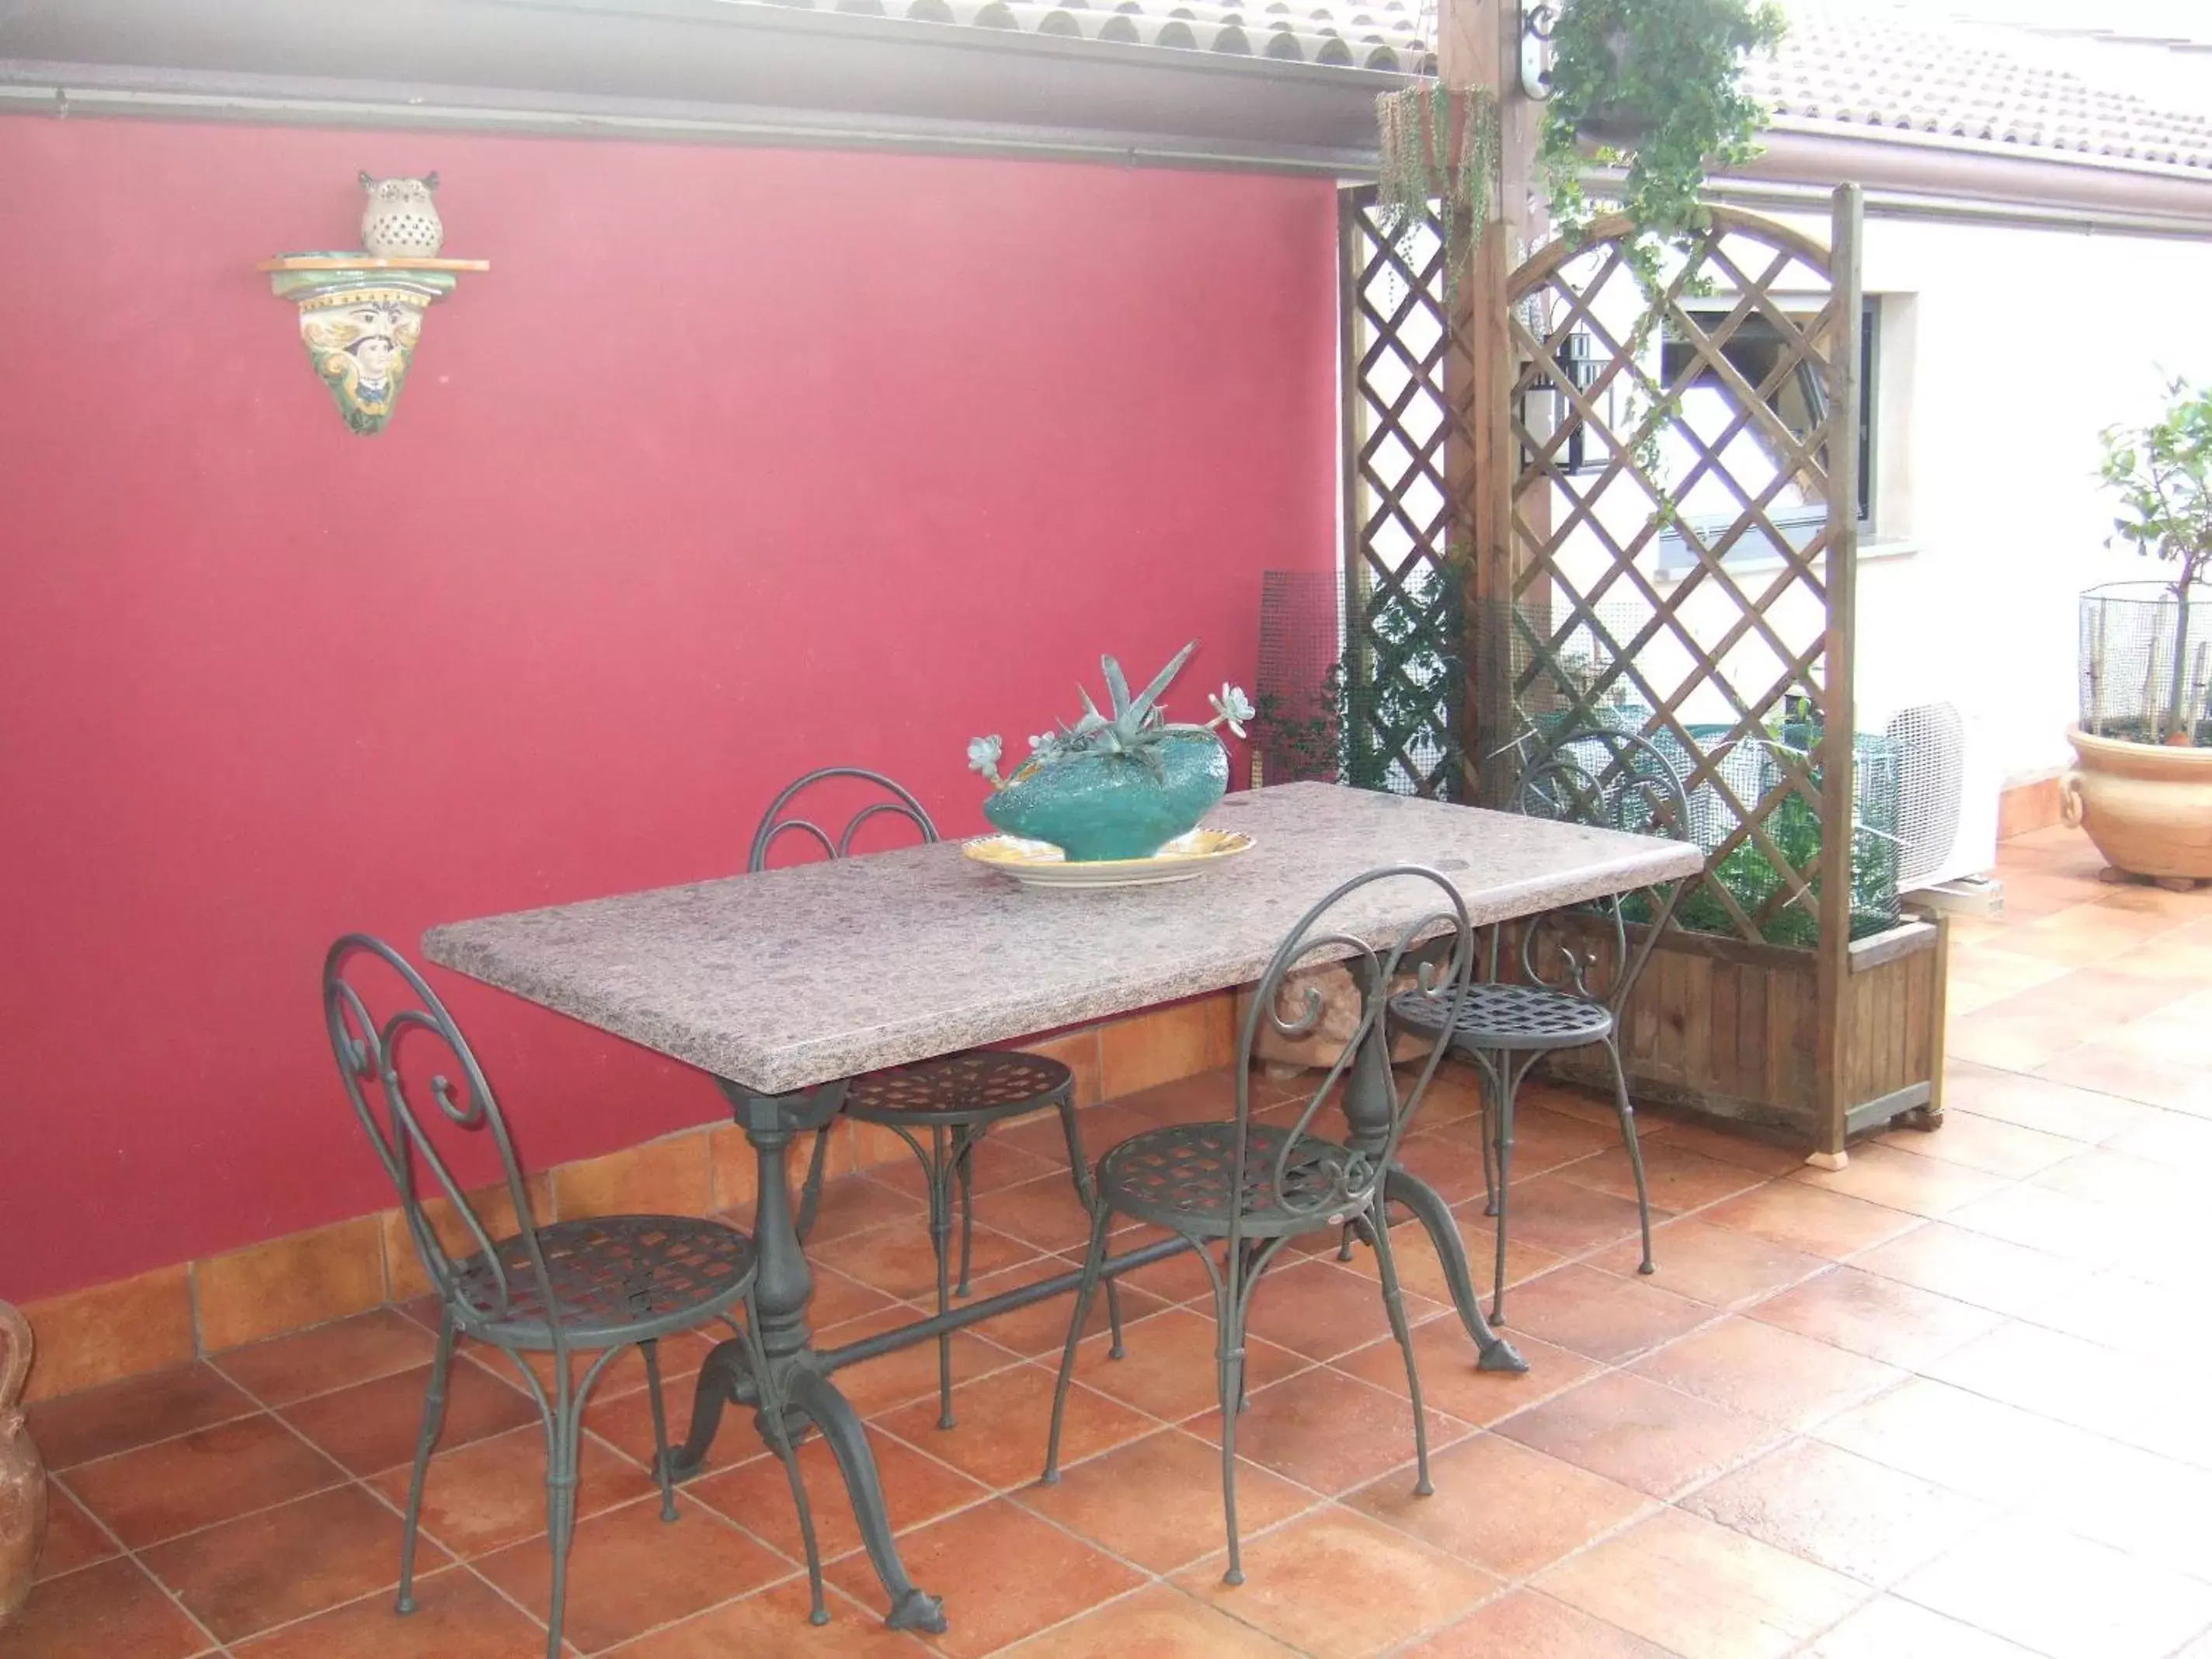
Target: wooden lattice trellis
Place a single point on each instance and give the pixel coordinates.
(1405, 656)
(1584, 631)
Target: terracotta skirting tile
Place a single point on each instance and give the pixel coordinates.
(290, 1282)
(1080, 1053)
(108, 1332)
(2028, 807)
(1162, 1044)
(494, 1206)
(662, 1177)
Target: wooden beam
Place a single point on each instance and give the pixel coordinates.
(1477, 48)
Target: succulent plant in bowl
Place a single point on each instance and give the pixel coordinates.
(1120, 785)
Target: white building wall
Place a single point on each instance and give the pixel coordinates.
(2006, 351)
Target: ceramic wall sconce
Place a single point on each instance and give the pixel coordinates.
(361, 314)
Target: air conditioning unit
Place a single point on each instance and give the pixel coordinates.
(1947, 788)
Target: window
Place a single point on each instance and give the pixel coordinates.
(1711, 406)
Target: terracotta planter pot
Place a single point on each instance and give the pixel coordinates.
(1324, 1046)
(23, 1475)
(2148, 807)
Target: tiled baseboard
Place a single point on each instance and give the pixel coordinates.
(108, 1332)
(2027, 808)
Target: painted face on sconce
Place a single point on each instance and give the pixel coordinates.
(360, 345)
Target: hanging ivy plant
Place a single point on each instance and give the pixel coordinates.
(1439, 170)
(1657, 87)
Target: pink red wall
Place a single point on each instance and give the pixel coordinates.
(738, 462)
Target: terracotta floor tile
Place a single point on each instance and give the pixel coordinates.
(490, 1493)
(997, 1163)
(1330, 1431)
(1605, 1316)
(681, 1357)
(1712, 1264)
(1900, 1181)
(1003, 1573)
(1168, 1369)
(2170, 1138)
(1974, 1268)
(457, 1616)
(1801, 1217)
(1158, 1623)
(1634, 1432)
(1040, 1330)
(2064, 1596)
(1888, 1628)
(1829, 1506)
(756, 1495)
(1767, 1371)
(1102, 1128)
(279, 1564)
(2177, 1082)
(1897, 1324)
(1544, 1140)
(2109, 1178)
(1206, 1097)
(198, 1479)
(898, 1260)
(2009, 1039)
(772, 1624)
(333, 1356)
(1452, 1162)
(1983, 1448)
(1449, 1381)
(1157, 1501)
(629, 1570)
(1180, 1279)
(889, 1380)
(1678, 1178)
(1316, 1308)
(104, 1612)
(2149, 1507)
(99, 1422)
(838, 1298)
(2024, 1101)
(374, 1426)
(1555, 1214)
(2070, 1381)
(1979, 1140)
(2135, 1315)
(1502, 1506)
(1729, 1145)
(1342, 1586)
(1420, 1269)
(1004, 1420)
(2056, 1223)
(1700, 1588)
(1045, 1212)
(73, 1539)
(883, 1197)
(1529, 1624)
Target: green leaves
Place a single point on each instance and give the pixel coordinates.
(1657, 84)
(2162, 473)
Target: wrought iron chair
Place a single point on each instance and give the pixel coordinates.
(557, 1289)
(1578, 965)
(941, 1109)
(1251, 1188)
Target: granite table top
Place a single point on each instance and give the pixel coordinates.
(793, 977)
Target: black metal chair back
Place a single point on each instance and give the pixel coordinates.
(1436, 952)
(1605, 779)
(374, 1059)
(774, 825)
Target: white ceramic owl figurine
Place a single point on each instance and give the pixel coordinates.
(401, 220)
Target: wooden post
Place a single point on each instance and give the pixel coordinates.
(1838, 705)
(1477, 48)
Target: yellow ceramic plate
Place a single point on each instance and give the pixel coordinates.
(1040, 864)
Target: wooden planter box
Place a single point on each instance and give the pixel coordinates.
(1732, 1030)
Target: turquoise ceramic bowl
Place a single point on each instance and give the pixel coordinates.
(1094, 807)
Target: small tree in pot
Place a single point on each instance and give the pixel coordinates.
(2148, 802)
(2163, 475)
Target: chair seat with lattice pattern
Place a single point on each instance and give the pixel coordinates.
(1180, 1177)
(620, 1279)
(1512, 1017)
(980, 1086)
